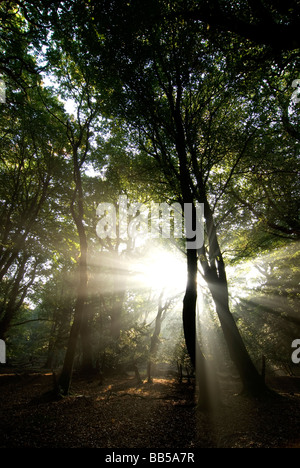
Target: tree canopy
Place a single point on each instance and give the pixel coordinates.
(184, 102)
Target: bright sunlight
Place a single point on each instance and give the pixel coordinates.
(162, 270)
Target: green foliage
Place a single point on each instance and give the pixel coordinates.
(181, 356)
(136, 74)
(267, 303)
(31, 146)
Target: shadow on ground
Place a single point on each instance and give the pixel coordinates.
(119, 414)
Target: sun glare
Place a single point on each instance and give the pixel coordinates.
(162, 270)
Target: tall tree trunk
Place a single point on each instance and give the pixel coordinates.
(77, 212)
(190, 299)
(155, 338)
(67, 371)
(189, 305)
(252, 381)
(189, 316)
(215, 276)
(212, 264)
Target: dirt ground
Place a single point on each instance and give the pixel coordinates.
(118, 414)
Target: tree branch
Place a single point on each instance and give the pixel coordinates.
(266, 31)
(28, 321)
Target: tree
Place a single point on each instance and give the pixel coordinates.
(269, 303)
(155, 338)
(79, 131)
(31, 146)
(266, 22)
(194, 118)
(165, 80)
(19, 35)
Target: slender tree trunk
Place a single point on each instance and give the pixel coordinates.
(15, 301)
(87, 366)
(190, 299)
(251, 379)
(137, 374)
(213, 266)
(215, 276)
(155, 338)
(78, 216)
(116, 313)
(49, 364)
(197, 357)
(67, 371)
(189, 306)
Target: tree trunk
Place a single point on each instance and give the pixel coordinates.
(155, 338)
(14, 302)
(189, 306)
(116, 312)
(78, 216)
(251, 379)
(67, 371)
(137, 374)
(87, 366)
(197, 357)
(190, 299)
(49, 364)
(213, 267)
(215, 276)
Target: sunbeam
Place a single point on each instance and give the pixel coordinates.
(161, 270)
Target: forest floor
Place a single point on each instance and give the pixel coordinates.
(119, 414)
